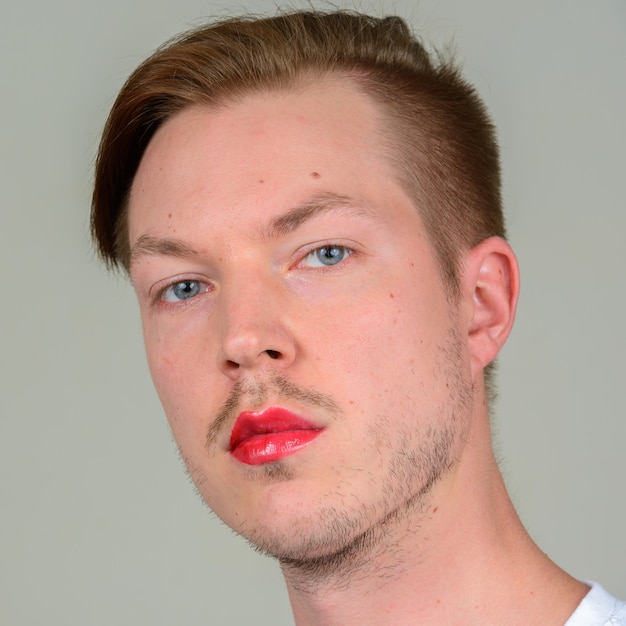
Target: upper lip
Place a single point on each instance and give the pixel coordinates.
(270, 420)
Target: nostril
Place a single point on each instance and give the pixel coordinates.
(273, 354)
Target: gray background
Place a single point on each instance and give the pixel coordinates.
(98, 523)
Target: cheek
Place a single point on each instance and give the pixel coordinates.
(174, 364)
(395, 329)
(162, 361)
(185, 401)
(174, 347)
(392, 355)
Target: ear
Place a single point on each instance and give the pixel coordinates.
(491, 289)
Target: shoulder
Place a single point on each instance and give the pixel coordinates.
(598, 608)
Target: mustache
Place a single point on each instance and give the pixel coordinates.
(255, 393)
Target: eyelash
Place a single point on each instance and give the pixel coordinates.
(161, 294)
(332, 249)
(345, 252)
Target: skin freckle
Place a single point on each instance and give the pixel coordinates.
(322, 441)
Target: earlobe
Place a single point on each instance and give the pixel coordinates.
(491, 282)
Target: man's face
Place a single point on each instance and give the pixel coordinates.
(314, 374)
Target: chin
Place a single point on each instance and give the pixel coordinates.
(327, 546)
(305, 538)
(292, 522)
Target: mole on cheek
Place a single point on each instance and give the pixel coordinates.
(315, 175)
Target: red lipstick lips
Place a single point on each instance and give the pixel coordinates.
(269, 435)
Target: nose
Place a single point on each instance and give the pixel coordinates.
(254, 328)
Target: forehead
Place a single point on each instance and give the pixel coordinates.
(264, 152)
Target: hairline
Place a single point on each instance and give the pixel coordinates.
(387, 126)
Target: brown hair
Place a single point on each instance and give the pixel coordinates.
(441, 139)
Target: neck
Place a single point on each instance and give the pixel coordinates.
(457, 555)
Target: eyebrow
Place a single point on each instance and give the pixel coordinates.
(146, 245)
(291, 220)
(294, 218)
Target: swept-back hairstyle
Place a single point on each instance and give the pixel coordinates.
(440, 135)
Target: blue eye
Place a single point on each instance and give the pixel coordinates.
(327, 256)
(183, 290)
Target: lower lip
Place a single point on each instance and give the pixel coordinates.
(270, 447)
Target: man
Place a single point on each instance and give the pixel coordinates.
(308, 207)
